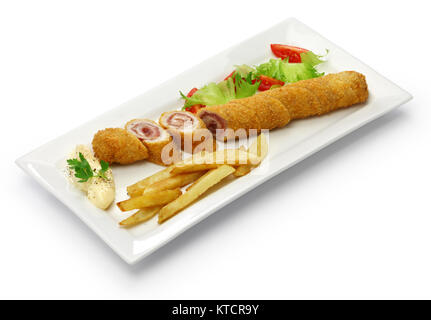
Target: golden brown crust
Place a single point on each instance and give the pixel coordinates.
(155, 149)
(276, 108)
(243, 116)
(116, 145)
(270, 112)
(299, 100)
(318, 96)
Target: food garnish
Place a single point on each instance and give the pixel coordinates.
(83, 169)
(288, 52)
(287, 72)
(294, 64)
(222, 92)
(92, 176)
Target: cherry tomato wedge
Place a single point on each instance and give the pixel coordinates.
(195, 108)
(267, 82)
(284, 51)
(192, 92)
(230, 75)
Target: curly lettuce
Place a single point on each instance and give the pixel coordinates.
(245, 79)
(223, 92)
(291, 72)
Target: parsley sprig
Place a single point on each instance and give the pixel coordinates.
(83, 170)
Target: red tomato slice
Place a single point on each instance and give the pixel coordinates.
(267, 82)
(195, 108)
(192, 92)
(284, 51)
(230, 75)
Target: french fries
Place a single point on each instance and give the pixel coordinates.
(259, 147)
(174, 182)
(205, 182)
(161, 193)
(193, 167)
(139, 187)
(149, 199)
(140, 216)
(243, 170)
(212, 160)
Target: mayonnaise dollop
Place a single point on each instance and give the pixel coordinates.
(100, 192)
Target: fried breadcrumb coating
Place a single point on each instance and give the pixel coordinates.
(117, 145)
(277, 107)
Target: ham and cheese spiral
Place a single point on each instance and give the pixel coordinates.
(183, 121)
(276, 108)
(194, 135)
(153, 136)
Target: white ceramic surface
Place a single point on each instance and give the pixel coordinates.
(287, 146)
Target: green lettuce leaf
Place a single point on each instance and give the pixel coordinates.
(273, 69)
(291, 72)
(245, 87)
(228, 89)
(312, 58)
(223, 92)
(294, 72)
(209, 95)
(244, 70)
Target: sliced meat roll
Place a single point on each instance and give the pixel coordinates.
(116, 145)
(191, 129)
(155, 138)
(276, 108)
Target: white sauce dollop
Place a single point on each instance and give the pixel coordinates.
(99, 191)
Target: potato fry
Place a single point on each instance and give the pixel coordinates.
(205, 182)
(258, 147)
(243, 170)
(193, 167)
(138, 188)
(149, 200)
(190, 186)
(140, 216)
(212, 160)
(174, 182)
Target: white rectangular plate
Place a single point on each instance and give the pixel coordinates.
(287, 146)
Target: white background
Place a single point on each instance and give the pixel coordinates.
(352, 221)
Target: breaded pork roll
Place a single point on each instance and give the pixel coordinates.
(116, 145)
(277, 107)
(153, 136)
(190, 129)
